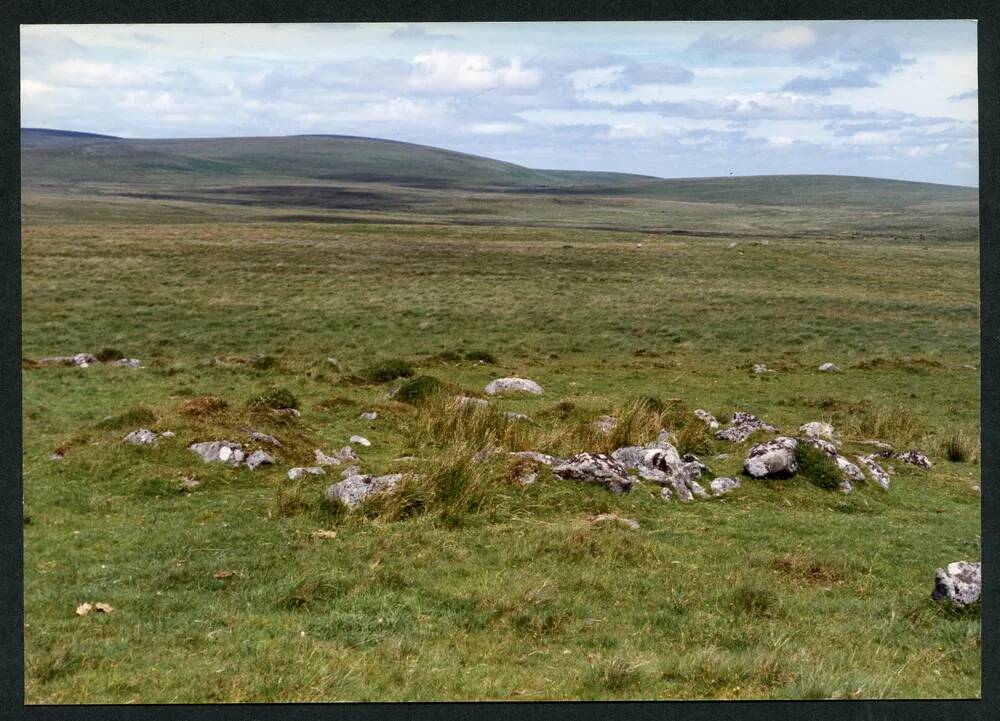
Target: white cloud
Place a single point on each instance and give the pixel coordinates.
(84, 73)
(792, 38)
(444, 71)
(498, 128)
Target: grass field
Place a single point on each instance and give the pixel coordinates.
(471, 587)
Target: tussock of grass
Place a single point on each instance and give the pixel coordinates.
(388, 370)
(204, 405)
(274, 398)
(806, 568)
(896, 425)
(817, 467)
(481, 356)
(960, 448)
(290, 500)
(754, 599)
(611, 676)
(695, 437)
(106, 355)
(441, 422)
(132, 418)
(419, 389)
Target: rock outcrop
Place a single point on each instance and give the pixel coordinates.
(707, 418)
(295, 474)
(724, 485)
(219, 452)
(961, 583)
(772, 459)
(915, 458)
(354, 489)
(142, 437)
(258, 460)
(741, 425)
(876, 471)
(513, 385)
(595, 468)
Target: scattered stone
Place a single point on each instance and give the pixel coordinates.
(595, 468)
(394, 391)
(55, 456)
(850, 471)
(915, 458)
(167, 434)
(141, 437)
(877, 472)
(969, 366)
(665, 493)
(707, 418)
(189, 484)
(369, 416)
(760, 368)
(265, 438)
(128, 363)
(543, 458)
(361, 440)
(526, 478)
(295, 474)
(829, 368)
(653, 474)
(407, 459)
(84, 360)
(630, 456)
(513, 385)
(605, 424)
(673, 471)
(825, 446)
(354, 489)
(695, 464)
(741, 426)
(615, 518)
(817, 429)
(846, 486)
(884, 449)
(259, 459)
(219, 451)
(350, 471)
(294, 412)
(774, 458)
(56, 360)
(333, 361)
(469, 401)
(724, 485)
(322, 534)
(324, 460)
(512, 415)
(961, 583)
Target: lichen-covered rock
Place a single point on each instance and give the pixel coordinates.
(142, 437)
(351, 470)
(665, 493)
(829, 368)
(695, 465)
(295, 474)
(354, 489)
(265, 438)
(513, 385)
(595, 468)
(630, 456)
(128, 363)
(817, 429)
(84, 359)
(219, 452)
(884, 449)
(368, 415)
(961, 583)
(773, 459)
(915, 458)
(258, 460)
(741, 426)
(707, 418)
(850, 471)
(878, 474)
(361, 441)
(344, 454)
(674, 472)
(724, 485)
(825, 446)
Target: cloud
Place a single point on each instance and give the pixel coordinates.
(496, 128)
(416, 32)
(967, 95)
(84, 73)
(443, 71)
(795, 37)
(148, 38)
(824, 86)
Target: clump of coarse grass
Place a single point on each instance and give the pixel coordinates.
(335, 402)
(276, 398)
(290, 499)
(481, 356)
(694, 437)
(203, 405)
(419, 389)
(133, 417)
(754, 599)
(443, 422)
(654, 404)
(897, 425)
(614, 675)
(817, 467)
(959, 448)
(388, 370)
(105, 355)
(447, 356)
(806, 568)
(635, 423)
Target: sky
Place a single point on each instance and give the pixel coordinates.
(889, 99)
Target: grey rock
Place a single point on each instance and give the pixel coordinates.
(407, 459)
(351, 471)
(741, 426)
(219, 452)
(394, 391)
(630, 456)
(84, 359)
(665, 493)
(333, 361)
(615, 518)
(653, 474)
(825, 446)
(595, 468)
(663, 439)
(368, 416)
(518, 416)
(526, 478)
(961, 583)
(469, 401)
(265, 438)
(695, 465)
(915, 458)
(167, 434)
(513, 385)
(543, 458)
(878, 474)
(817, 429)
(361, 441)
(295, 474)
(354, 489)
(56, 360)
(605, 424)
(850, 471)
(707, 418)
(682, 477)
(189, 484)
(259, 459)
(55, 456)
(772, 459)
(829, 368)
(141, 437)
(846, 486)
(696, 489)
(128, 363)
(347, 454)
(324, 460)
(724, 485)
(884, 449)
(760, 369)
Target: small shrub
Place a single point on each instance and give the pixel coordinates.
(388, 370)
(204, 405)
(106, 355)
(817, 467)
(133, 417)
(276, 398)
(482, 357)
(419, 389)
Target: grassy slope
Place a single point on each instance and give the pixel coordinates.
(780, 590)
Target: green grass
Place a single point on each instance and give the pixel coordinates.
(467, 585)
